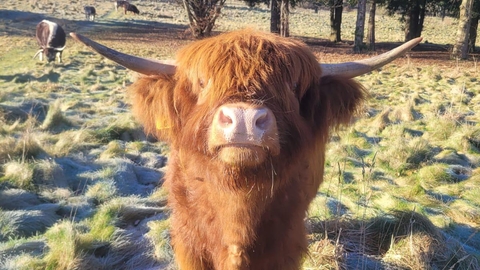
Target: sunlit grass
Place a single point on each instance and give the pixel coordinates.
(159, 233)
(62, 241)
(19, 174)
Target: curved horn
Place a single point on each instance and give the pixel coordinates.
(60, 49)
(138, 64)
(360, 67)
(39, 51)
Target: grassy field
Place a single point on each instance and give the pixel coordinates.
(81, 184)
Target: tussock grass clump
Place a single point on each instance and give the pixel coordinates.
(7, 143)
(55, 119)
(18, 174)
(325, 254)
(72, 141)
(466, 139)
(25, 147)
(355, 137)
(123, 128)
(464, 213)
(405, 113)
(382, 120)
(102, 224)
(22, 142)
(62, 241)
(390, 202)
(57, 194)
(428, 250)
(471, 192)
(440, 128)
(49, 174)
(402, 154)
(159, 195)
(435, 175)
(403, 239)
(102, 191)
(7, 226)
(114, 149)
(23, 261)
(159, 235)
(348, 154)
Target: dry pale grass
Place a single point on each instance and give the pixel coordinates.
(19, 174)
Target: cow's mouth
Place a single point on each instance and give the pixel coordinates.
(245, 155)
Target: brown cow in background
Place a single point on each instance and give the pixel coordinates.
(247, 116)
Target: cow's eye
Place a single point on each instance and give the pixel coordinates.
(201, 82)
(294, 86)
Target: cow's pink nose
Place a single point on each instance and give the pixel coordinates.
(258, 118)
(241, 123)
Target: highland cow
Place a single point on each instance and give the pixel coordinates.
(247, 115)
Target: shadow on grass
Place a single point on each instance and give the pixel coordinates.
(24, 78)
(21, 23)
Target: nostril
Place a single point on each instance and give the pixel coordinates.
(224, 119)
(262, 121)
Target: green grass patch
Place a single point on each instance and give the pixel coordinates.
(62, 241)
(159, 234)
(435, 175)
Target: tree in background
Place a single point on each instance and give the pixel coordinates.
(371, 26)
(336, 10)
(284, 18)
(360, 26)
(460, 49)
(412, 14)
(474, 26)
(202, 15)
(274, 16)
(279, 14)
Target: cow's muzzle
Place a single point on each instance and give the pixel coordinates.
(244, 135)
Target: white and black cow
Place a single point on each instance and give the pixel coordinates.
(51, 39)
(90, 13)
(132, 8)
(120, 3)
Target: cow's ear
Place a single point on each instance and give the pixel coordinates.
(332, 103)
(153, 106)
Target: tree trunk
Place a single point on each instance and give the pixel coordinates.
(360, 26)
(202, 15)
(460, 49)
(371, 27)
(472, 39)
(274, 17)
(186, 6)
(414, 18)
(212, 19)
(421, 18)
(336, 10)
(284, 16)
(411, 22)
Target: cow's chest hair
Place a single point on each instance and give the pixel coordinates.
(205, 212)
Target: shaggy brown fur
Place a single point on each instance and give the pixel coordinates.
(238, 216)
